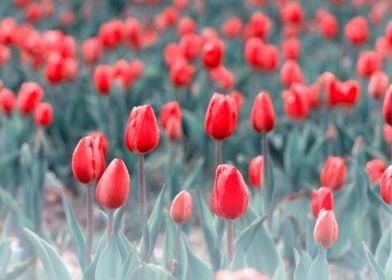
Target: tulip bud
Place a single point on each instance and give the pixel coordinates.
(252, 52)
(232, 27)
(181, 73)
(181, 208)
(322, 199)
(111, 33)
(142, 132)
(343, 93)
(103, 77)
(238, 99)
(212, 53)
(386, 186)
(263, 114)
(221, 117)
(378, 85)
(387, 133)
(91, 50)
(133, 33)
(356, 31)
(101, 138)
(254, 171)
(223, 76)
(258, 26)
(368, 63)
(291, 48)
(190, 46)
(30, 95)
(43, 115)
(387, 106)
(113, 187)
(291, 73)
(55, 69)
(296, 104)
(186, 25)
(333, 174)
(326, 230)
(230, 194)
(170, 119)
(7, 101)
(88, 160)
(292, 13)
(329, 26)
(375, 168)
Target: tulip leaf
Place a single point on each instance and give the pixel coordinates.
(5, 253)
(383, 248)
(302, 264)
(109, 263)
(150, 272)
(18, 270)
(53, 265)
(195, 125)
(319, 269)
(130, 264)
(75, 231)
(89, 272)
(376, 268)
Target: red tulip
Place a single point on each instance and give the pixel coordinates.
(55, 69)
(263, 113)
(258, 26)
(382, 48)
(326, 230)
(190, 46)
(137, 68)
(142, 132)
(230, 194)
(9, 30)
(252, 52)
(180, 4)
(296, 104)
(269, 58)
(292, 13)
(103, 78)
(238, 99)
(386, 186)
(221, 117)
(322, 199)
(388, 34)
(88, 160)
(333, 174)
(133, 33)
(223, 76)
(232, 27)
(291, 48)
(172, 54)
(368, 63)
(387, 106)
(122, 71)
(101, 138)
(387, 133)
(207, 34)
(343, 93)
(7, 101)
(181, 208)
(171, 120)
(254, 171)
(212, 53)
(113, 187)
(375, 168)
(170, 16)
(111, 34)
(186, 25)
(356, 31)
(43, 115)
(329, 25)
(291, 73)
(378, 85)
(71, 69)
(181, 73)
(30, 95)
(314, 96)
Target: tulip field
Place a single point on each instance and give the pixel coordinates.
(195, 139)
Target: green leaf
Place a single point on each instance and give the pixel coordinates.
(130, 264)
(376, 268)
(75, 231)
(150, 272)
(109, 263)
(319, 269)
(194, 176)
(383, 248)
(5, 253)
(196, 268)
(52, 263)
(18, 270)
(89, 272)
(302, 264)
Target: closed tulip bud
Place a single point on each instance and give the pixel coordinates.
(88, 160)
(230, 194)
(186, 25)
(181, 208)
(375, 168)
(252, 52)
(386, 186)
(291, 73)
(71, 69)
(356, 31)
(223, 76)
(190, 46)
(326, 230)
(30, 95)
(111, 34)
(296, 104)
(55, 69)
(388, 34)
(171, 120)
(329, 26)
(333, 174)
(221, 117)
(291, 48)
(292, 13)
(113, 187)
(314, 96)
(142, 132)
(263, 113)
(102, 139)
(171, 54)
(7, 101)
(212, 53)
(387, 133)
(238, 99)
(343, 93)
(133, 33)
(43, 115)
(91, 50)
(378, 85)
(368, 63)
(137, 68)
(181, 73)
(387, 106)
(270, 58)
(122, 71)
(254, 171)
(103, 78)
(232, 27)
(259, 25)
(322, 199)
(207, 34)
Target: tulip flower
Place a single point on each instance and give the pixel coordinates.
(356, 31)
(111, 34)
(255, 171)
(269, 58)
(55, 69)
(386, 186)
(263, 113)
(232, 27)
(291, 73)
(122, 71)
(7, 101)
(252, 52)
(378, 85)
(375, 168)
(343, 93)
(291, 48)
(333, 174)
(238, 100)
(181, 208)
(103, 78)
(387, 106)
(258, 27)
(326, 230)
(186, 25)
(223, 76)
(133, 33)
(368, 63)
(43, 114)
(30, 95)
(212, 53)
(190, 45)
(322, 199)
(296, 104)
(292, 13)
(181, 73)
(329, 25)
(171, 119)
(229, 199)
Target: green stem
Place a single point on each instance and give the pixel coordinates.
(142, 203)
(218, 153)
(265, 175)
(230, 237)
(109, 228)
(90, 223)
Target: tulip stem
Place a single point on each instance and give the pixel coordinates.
(109, 227)
(142, 201)
(218, 153)
(230, 245)
(176, 249)
(90, 222)
(265, 175)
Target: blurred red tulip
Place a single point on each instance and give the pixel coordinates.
(387, 106)
(180, 4)
(291, 73)
(255, 171)
(221, 117)
(113, 187)
(67, 17)
(329, 25)
(8, 30)
(55, 69)
(378, 85)
(270, 58)
(314, 96)
(212, 53)
(111, 34)
(296, 104)
(181, 73)
(263, 113)
(356, 31)
(171, 120)
(232, 27)
(230, 194)
(103, 78)
(190, 45)
(7, 101)
(43, 114)
(368, 63)
(133, 33)
(30, 95)
(387, 133)
(122, 71)
(186, 25)
(343, 93)
(388, 34)
(375, 168)
(291, 48)
(322, 198)
(333, 174)
(137, 68)
(71, 69)
(181, 208)
(238, 99)
(223, 76)
(170, 16)
(292, 13)
(33, 12)
(142, 132)
(386, 186)
(326, 230)
(252, 52)
(259, 25)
